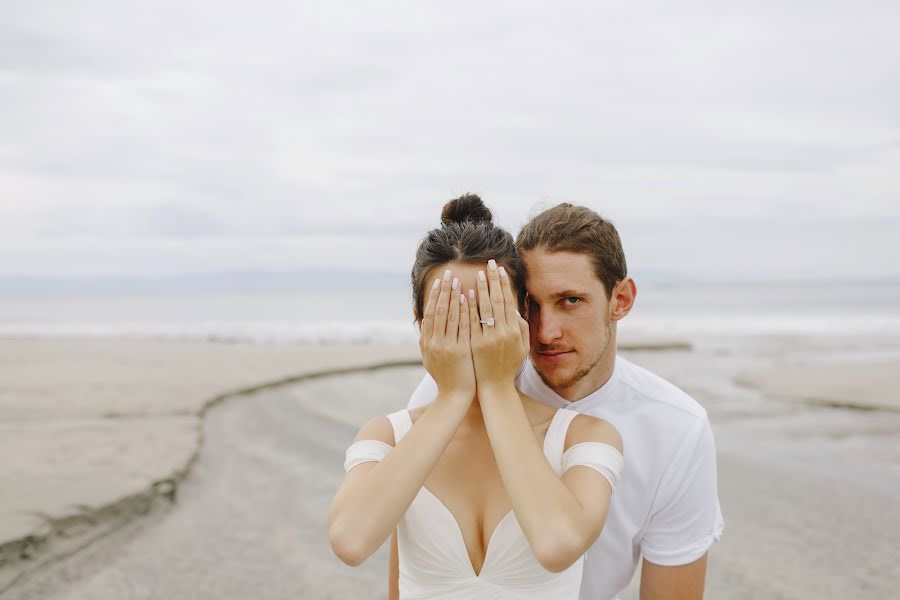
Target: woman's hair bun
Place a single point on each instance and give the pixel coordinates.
(467, 207)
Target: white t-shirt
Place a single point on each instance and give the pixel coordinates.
(666, 506)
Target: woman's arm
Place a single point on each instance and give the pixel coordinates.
(394, 570)
(561, 517)
(375, 495)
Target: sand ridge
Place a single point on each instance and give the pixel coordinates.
(92, 431)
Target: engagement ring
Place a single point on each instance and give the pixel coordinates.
(488, 322)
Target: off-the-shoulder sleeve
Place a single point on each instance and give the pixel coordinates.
(603, 458)
(365, 451)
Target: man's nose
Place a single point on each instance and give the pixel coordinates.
(548, 329)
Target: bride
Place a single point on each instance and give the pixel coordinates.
(492, 494)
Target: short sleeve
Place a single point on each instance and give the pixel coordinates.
(686, 518)
(424, 393)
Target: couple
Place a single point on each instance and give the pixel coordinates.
(510, 460)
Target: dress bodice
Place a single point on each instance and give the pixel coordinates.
(435, 564)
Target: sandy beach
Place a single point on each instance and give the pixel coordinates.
(808, 488)
(93, 432)
(220, 224)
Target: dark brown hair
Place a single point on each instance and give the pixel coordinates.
(467, 235)
(568, 228)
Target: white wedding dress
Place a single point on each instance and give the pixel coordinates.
(434, 563)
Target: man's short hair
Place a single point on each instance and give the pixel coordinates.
(568, 228)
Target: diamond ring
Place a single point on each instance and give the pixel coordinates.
(488, 322)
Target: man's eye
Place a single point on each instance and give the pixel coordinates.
(572, 300)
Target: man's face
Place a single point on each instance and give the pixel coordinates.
(569, 322)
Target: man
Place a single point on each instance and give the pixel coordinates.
(666, 507)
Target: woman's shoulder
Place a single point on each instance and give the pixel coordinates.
(415, 413)
(536, 410)
(588, 428)
(379, 428)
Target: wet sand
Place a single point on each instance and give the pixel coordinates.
(808, 490)
(94, 432)
(808, 493)
(852, 385)
(250, 519)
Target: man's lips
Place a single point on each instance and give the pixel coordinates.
(553, 355)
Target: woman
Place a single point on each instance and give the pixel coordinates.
(492, 494)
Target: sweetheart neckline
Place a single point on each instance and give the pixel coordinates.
(462, 539)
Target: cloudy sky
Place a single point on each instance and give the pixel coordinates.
(727, 140)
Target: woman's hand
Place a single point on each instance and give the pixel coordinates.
(444, 340)
(498, 350)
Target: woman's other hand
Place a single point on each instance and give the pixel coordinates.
(498, 350)
(444, 339)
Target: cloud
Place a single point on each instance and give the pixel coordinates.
(133, 131)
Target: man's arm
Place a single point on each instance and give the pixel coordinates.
(687, 523)
(684, 582)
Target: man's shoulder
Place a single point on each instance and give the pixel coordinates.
(650, 387)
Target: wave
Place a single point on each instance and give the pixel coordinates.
(402, 331)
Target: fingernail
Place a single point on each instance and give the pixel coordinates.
(437, 282)
(455, 283)
(462, 298)
(481, 275)
(492, 265)
(447, 275)
(502, 272)
(472, 295)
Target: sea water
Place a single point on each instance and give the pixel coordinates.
(681, 310)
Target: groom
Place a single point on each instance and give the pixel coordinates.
(666, 508)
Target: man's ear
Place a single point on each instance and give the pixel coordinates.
(622, 301)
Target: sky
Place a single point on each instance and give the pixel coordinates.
(726, 140)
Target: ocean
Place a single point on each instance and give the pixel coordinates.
(683, 310)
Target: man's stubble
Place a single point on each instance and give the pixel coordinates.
(583, 372)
